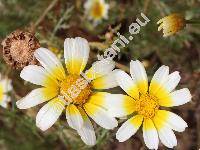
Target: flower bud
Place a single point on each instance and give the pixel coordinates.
(171, 24)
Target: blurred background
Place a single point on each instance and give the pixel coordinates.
(54, 20)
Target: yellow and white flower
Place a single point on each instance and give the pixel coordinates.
(145, 102)
(96, 10)
(5, 87)
(171, 24)
(70, 90)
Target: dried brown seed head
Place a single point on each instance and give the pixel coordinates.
(18, 49)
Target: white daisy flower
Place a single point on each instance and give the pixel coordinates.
(5, 87)
(70, 90)
(145, 102)
(96, 10)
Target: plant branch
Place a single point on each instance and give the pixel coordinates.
(41, 18)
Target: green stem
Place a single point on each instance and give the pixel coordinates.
(66, 16)
(193, 21)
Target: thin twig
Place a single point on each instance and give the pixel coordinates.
(193, 21)
(63, 18)
(41, 18)
(146, 5)
(157, 3)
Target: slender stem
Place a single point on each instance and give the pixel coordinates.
(193, 21)
(65, 16)
(146, 5)
(41, 18)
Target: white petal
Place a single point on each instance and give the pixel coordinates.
(37, 75)
(172, 81)
(119, 105)
(50, 62)
(6, 85)
(172, 120)
(87, 131)
(167, 137)
(129, 128)
(76, 53)
(116, 105)
(5, 100)
(87, 5)
(105, 82)
(127, 84)
(181, 97)
(49, 114)
(150, 134)
(4, 104)
(158, 79)
(100, 68)
(100, 116)
(161, 74)
(74, 117)
(138, 73)
(36, 97)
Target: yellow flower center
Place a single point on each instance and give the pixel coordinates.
(75, 89)
(175, 22)
(147, 105)
(97, 10)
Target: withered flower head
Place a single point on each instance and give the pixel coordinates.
(18, 49)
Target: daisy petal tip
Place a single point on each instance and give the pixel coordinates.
(37, 51)
(114, 124)
(134, 61)
(21, 105)
(90, 144)
(137, 61)
(22, 73)
(41, 128)
(82, 39)
(18, 104)
(153, 147)
(120, 139)
(188, 94)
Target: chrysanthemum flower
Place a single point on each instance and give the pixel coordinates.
(144, 104)
(5, 87)
(70, 90)
(171, 24)
(96, 10)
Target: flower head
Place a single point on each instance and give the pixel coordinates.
(171, 24)
(146, 102)
(72, 91)
(96, 10)
(5, 87)
(18, 49)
